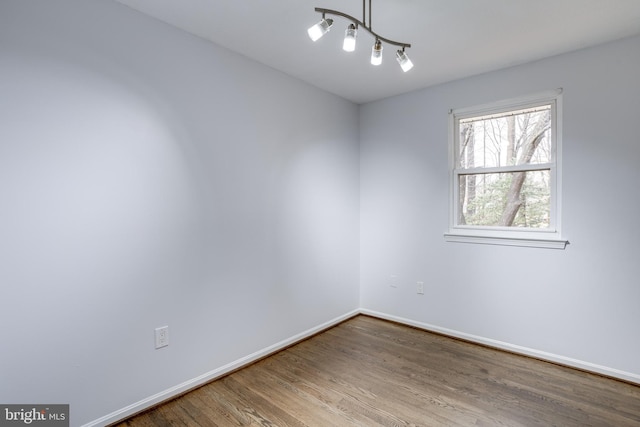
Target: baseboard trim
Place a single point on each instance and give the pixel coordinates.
(549, 357)
(179, 389)
(186, 386)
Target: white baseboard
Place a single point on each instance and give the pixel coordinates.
(214, 374)
(550, 357)
(247, 360)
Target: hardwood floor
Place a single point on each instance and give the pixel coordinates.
(370, 372)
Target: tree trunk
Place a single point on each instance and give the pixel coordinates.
(471, 179)
(513, 201)
(511, 138)
(465, 196)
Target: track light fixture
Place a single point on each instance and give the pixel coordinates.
(403, 60)
(349, 44)
(376, 53)
(320, 29)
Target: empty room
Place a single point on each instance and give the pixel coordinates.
(319, 212)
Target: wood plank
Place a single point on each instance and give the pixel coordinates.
(371, 372)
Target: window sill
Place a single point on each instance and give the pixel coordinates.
(530, 242)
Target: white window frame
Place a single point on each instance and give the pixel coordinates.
(510, 236)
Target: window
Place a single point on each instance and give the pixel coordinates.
(505, 172)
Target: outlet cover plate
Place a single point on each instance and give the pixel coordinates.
(393, 281)
(162, 336)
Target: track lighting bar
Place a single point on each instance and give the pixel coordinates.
(362, 24)
(349, 45)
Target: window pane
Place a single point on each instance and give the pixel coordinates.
(507, 139)
(515, 199)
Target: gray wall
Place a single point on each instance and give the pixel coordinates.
(578, 304)
(150, 178)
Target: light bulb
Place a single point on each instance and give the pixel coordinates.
(376, 53)
(350, 33)
(320, 29)
(404, 60)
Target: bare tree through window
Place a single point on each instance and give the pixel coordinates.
(504, 169)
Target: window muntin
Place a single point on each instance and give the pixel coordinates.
(504, 170)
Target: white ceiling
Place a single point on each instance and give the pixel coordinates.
(450, 39)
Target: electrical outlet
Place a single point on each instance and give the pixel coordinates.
(162, 337)
(420, 288)
(393, 281)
